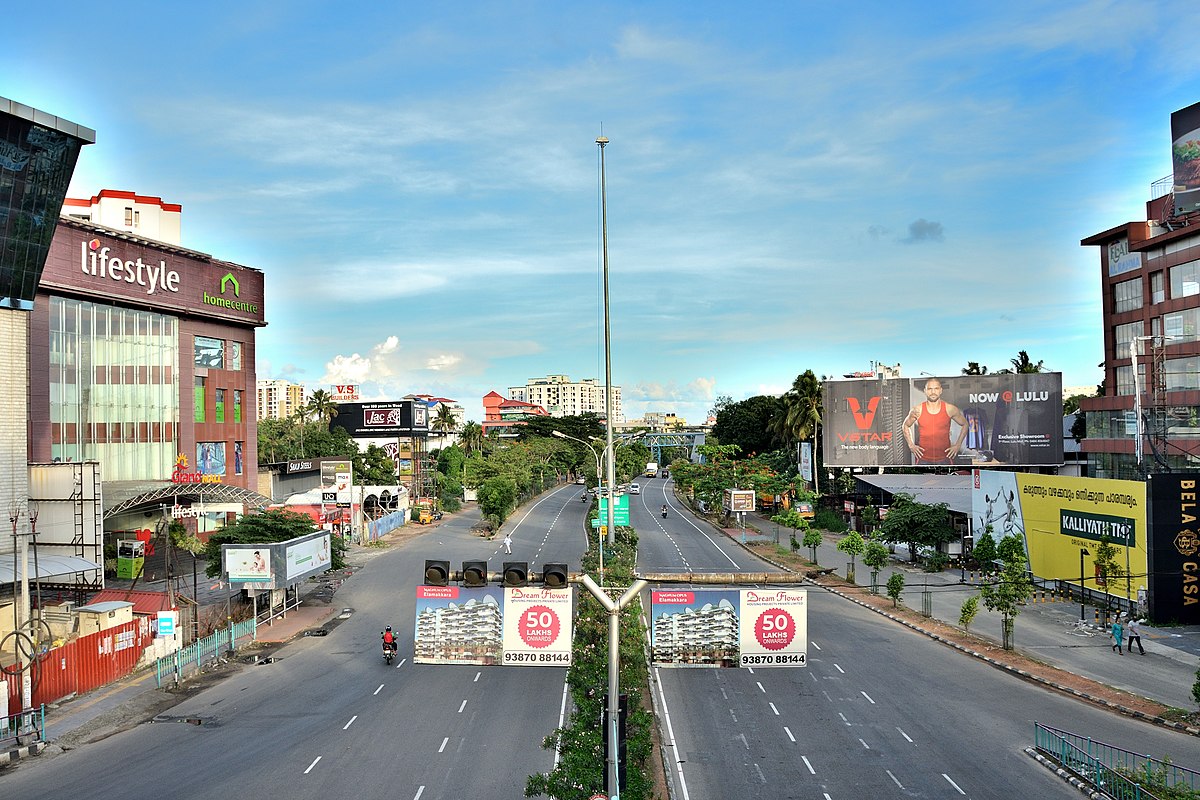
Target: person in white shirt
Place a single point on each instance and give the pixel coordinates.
(1134, 631)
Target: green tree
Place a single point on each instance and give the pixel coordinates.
(876, 557)
(974, 368)
(471, 437)
(812, 540)
(1107, 567)
(1012, 588)
(916, 524)
(853, 545)
(984, 551)
(497, 498)
(966, 614)
(895, 586)
(444, 422)
(799, 411)
(791, 519)
(321, 408)
(1022, 365)
(745, 423)
(374, 467)
(275, 525)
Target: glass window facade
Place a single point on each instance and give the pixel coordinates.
(235, 356)
(1124, 335)
(1185, 279)
(1181, 374)
(114, 391)
(1182, 325)
(198, 400)
(1127, 295)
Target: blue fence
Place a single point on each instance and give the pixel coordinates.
(378, 528)
(190, 660)
(1121, 774)
(27, 723)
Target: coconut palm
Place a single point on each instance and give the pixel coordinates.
(321, 407)
(471, 437)
(800, 410)
(444, 422)
(1023, 366)
(974, 368)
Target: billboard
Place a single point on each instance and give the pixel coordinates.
(1185, 158)
(1059, 517)
(729, 627)
(400, 418)
(1174, 594)
(963, 420)
(524, 626)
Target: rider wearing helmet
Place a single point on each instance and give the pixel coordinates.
(389, 639)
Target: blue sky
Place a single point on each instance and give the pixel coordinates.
(791, 186)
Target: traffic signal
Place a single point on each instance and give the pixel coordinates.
(437, 573)
(516, 573)
(554, 576)
(474, 573)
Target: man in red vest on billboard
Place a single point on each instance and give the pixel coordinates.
(930, 443)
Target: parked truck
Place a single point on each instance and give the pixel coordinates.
(651, 469)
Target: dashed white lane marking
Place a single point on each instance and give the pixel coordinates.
(810, 766)
(814, 644)
(865, 745)
(351, 722)
(445, 742)
(839, 669)
(420, 791)
(762, 778)
(377, 691)
(894, 779)
(313, 764)
(905, 735)
(773, 708)
(662, 697)
(477, 674)
(464, 705)
(864, 694)
(788, 731)
(843, 716)
(952, 783)
(760, 687)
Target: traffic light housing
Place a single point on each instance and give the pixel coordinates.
(554, 576)
(516, 573)
(474, 573)
(437, 573)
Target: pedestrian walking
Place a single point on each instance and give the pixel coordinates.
(508, 543)
(1118, 633)
(1135, 632)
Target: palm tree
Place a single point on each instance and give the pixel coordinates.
(471, 437)
(800, 410)
(444, 422)
(321, 407)
(974, 368)
(1023, 366)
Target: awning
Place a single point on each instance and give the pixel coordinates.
(48, 566)
(953, 490)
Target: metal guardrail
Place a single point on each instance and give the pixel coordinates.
(25, 723)
(190, 660)
(1120, 774)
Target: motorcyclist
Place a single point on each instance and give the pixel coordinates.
(389, 639)
(664, 510)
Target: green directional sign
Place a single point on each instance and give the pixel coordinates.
(620, 512)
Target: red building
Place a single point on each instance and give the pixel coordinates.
(502, 414)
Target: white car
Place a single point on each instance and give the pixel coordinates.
(635, 488)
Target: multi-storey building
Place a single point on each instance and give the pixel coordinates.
(145, 217)
(562, 397)
(502, 414)
(1148, 419)
(279, 399)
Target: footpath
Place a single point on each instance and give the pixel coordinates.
(1045, 631)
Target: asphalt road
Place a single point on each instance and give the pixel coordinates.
(328, 718)
(879, 711)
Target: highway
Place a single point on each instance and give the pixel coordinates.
(880, 711)
(328, 718)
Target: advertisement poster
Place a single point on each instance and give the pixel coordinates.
(774, 628)
(1059, 517)
(308, 556)
(1174, 584)
(537, 627)
(694, 628)
(963, 420)
(457, 625)
(247, 564)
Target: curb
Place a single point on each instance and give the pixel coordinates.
(24, 751)
(1083, 786)
(1111, 706)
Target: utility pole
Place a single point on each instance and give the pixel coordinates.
(608, 392)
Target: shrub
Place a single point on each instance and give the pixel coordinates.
(830, 520)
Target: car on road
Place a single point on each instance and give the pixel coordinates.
(635, 488)
(581, 481)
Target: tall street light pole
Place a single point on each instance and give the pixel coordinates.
(608, 392)
(612, 495)
(1082, 552)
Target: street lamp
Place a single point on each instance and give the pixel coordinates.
(612, 495)
(562, 435)
(1082, 552)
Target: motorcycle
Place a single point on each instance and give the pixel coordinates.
(389, 653)
(664, 512)
(583, 498)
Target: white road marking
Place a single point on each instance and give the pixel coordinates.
(401, 664)
(864, 694)
(310, 766)
(905, 735)
(814, 644)
(420, 792)
(477, 674)
(562, 714)
(810, 768)
(952, 783)
(773, 708)
(865, 745)
(351, 722)
(662, 698)
(723, 693)
(894, 779)
(377, 691)
(760, 687)
(839, 669)
(742, 736)
(788, 731)
(445, 742)
(464, 705)
(843, 716)
(733, 715)
(750, 670)
(761, 777)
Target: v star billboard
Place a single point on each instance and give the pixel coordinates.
(963, 420)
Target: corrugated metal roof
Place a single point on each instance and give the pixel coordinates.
(953, 490)
(48, 566)
(144, 602)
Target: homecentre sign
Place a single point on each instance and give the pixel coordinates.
(230, 282)
(1118, 530)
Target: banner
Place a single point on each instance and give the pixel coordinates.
(537, 627)
(730, 627)
(964, 420)
(1059, 517)
(488, 626)
(1174, 586)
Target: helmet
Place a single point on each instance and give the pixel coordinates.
(389, 627)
